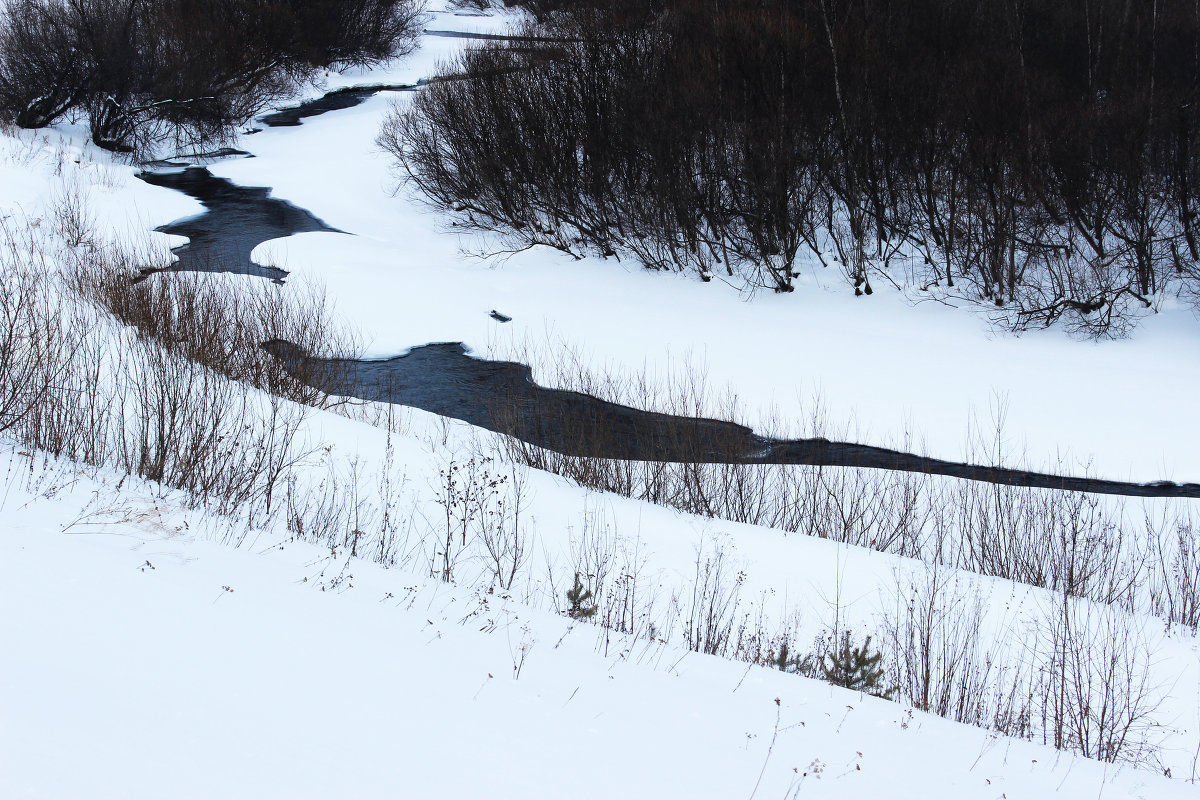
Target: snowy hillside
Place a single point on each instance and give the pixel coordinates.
(147, 659)
(394, 616)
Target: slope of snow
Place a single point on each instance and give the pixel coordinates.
(142, 659)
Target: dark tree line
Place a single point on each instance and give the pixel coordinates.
(145, 70)
(1035, 155)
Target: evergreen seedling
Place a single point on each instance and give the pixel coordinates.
(855, 668)
(785, 661)
(579, 598)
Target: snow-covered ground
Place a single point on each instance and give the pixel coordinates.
(150, 650)
(144, 659)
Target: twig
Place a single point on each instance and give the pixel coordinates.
(744, 674)
(770, 748)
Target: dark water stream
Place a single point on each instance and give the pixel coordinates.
(495, 37)
(333, 101)
(501, 396)
(235, 220)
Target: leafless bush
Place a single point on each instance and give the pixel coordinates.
(321, 513)
(73, 221)
(709, 610)
(146, 72)
(152, 413)
(611, 570)
(75, 384)
(43, 70)
(766, 635)
(216, 322)
(1098, 698)
(732, 137)
(506, 541)
(394, 526)
(1175, 583)
(631, 601)
(627, 604)
(185, 426)
(1061, 541)
(594, 550)
(1075, 675)
(1084, 544)
(37, 338)
(856, 506)
(944, 660)
(170, 387)
(470, 494)
(345, 512)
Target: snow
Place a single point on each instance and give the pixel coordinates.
(155, 650)
(144, 659)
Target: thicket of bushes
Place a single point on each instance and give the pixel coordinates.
(1036, 156)
(146, 70)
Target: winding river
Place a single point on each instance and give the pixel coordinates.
(502, 396)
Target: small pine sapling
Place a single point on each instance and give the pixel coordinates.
(784, 661)
(579, 598)
(854, 668)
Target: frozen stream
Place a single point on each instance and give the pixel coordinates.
(501, 396)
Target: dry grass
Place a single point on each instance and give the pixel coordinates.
(218, 322)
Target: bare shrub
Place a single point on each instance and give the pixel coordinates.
(631, 600)
(1081, 544)
(593, 550)
(75, 384)
(1098, 698)
(42, 71)
(731, 138)
(152, 413)
(945, 660)
(1061, 541)
(709, 609)
(220, 324)
(1074, 674)
(186, 426)
(1175, 582)
(147, 72)
(37, 337)
(74, 223)
(611, 571)
(1084, 544)
(394, 526)
(344, 512)
(506, 542)
(320, 513)
(770, 639)
(471, 497)
(862, 507)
